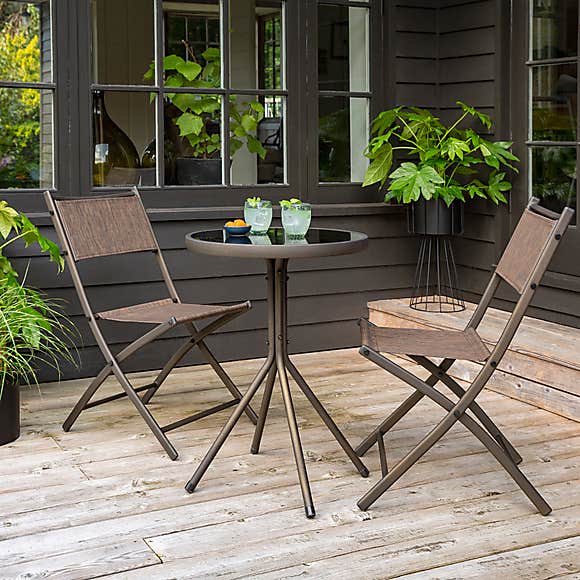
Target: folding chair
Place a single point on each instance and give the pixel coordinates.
(93, 227)
(522, 265)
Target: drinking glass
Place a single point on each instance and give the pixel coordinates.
(258, 215)
(296, 219)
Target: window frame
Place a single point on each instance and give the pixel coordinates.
(72, 72)
(20, 196)
(564, 263)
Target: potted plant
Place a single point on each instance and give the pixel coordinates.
(32, 328)
(193, 120)
(440, 165)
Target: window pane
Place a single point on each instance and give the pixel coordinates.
(193, 139)
(343, 53)
(123, 41)
(192, 32)
(123, 132)
(25, 42)
(256, 44)
(343, 136)
(554, 102)
(257, 140)
(554, 28)
(554, 176)
(26, 138)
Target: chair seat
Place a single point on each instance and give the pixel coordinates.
(456, 344)
(161, 311)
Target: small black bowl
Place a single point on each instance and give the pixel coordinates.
(237, 230)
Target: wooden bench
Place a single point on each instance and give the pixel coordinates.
(541, 367)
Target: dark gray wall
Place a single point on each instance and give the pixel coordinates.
(326, 296)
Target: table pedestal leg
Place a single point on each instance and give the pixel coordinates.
(277, 364)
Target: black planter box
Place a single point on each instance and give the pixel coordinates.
(9, 414)
(192, 171)
(434, 218)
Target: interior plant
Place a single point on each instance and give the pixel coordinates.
(32, 327)
(445, 163)
(198, 116)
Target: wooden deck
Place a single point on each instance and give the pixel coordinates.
(104, 500)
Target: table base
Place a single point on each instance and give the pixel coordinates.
(278, 364)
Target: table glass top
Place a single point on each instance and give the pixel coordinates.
(276, 237)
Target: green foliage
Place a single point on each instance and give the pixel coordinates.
(32, 330)
(440, 159)
(31, 327)
(253, 201)
(289, 203)
(19, 108)
(15, 226)
(199, 114)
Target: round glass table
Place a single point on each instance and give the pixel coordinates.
(277, 250)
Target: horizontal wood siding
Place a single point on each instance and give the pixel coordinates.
(327, 296)
(415, 53)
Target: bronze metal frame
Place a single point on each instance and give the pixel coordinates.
(278, 364)
(485, 430)
(113, 362)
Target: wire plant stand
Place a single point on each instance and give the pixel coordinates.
(436, 283)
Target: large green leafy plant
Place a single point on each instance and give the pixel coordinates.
(32, 328)
(198, 115)
(439, 162)
(19, 108)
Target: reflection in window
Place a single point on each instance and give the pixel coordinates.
(554, 29)
(554, 176)
(196, 104)
(26, 113)
(555, 102)
(193, 139)
(123, 130)
(343, 67)
(256, 141)
(553, 130)
(343, 130)
(123, 41)
(189, 35)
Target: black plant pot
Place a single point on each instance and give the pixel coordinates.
(193, 171)
(434, 218)
(9, 414)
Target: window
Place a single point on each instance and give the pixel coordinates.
(553, 129)
(194, 101)
(343, 90)
(161, 116)
(26, 95)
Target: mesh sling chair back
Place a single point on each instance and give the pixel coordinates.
(522, 266)
(92, 227)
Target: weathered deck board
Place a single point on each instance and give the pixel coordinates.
(541, 365)
(104, 500)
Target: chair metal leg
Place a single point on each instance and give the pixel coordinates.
(439, 431)
(408, 404)
(228, 427)
(483, 417)
(382, 454)
(268, 389)
(144, 412)
(327, 419)
(169, 366)
(226, 380)
(295, 437)
(87, 396)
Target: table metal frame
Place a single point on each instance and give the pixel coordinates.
(278, 364)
